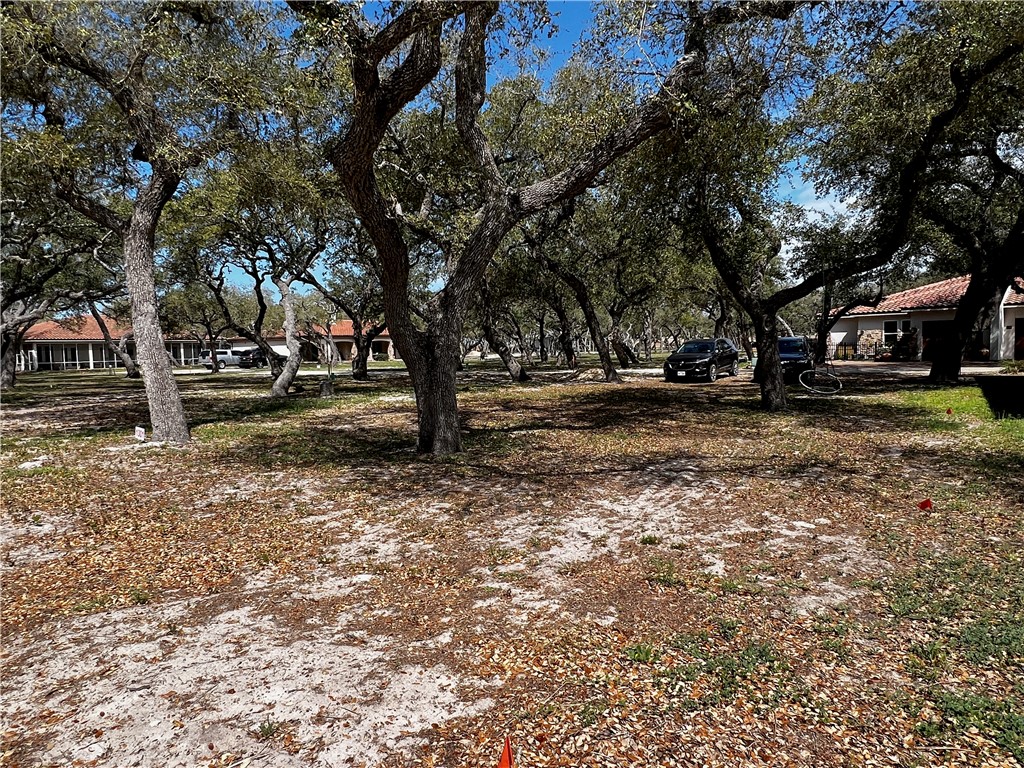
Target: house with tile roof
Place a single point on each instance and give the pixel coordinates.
(311, 344)
(77, 343)
(927, 311)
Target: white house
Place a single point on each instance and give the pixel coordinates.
(928, 311)
(77, 343)
(341, 333)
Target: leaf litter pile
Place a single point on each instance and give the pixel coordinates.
(641, 575)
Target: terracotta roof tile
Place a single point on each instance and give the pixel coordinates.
(340, 329)
(944, 294)
(1016, 298)
(84, 328)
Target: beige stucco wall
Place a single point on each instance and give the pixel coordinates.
(844, 332)
(1007, 332)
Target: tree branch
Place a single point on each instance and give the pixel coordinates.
(470, 91)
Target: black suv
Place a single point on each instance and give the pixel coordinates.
(252, 358)
(796, 356)
(703, 358)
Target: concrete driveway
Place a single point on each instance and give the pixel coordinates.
(909, 368)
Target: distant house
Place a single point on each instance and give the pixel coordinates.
(340, 333)
(77, 343)
(928, 312)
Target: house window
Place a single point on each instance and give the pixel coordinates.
(889, 332)
(892, 330)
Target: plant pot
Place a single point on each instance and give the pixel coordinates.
(1004, 394)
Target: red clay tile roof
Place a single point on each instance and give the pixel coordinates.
(340, 329)
(84, 328)
(942, 295)
(1016, 298)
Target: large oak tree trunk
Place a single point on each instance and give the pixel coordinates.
(362, 342)
(516, 371)
(565, 336)
(361, 358)
(433, 355)
(291, 365)
(8, 360)
(434, 358)
(626, 356)
(769, 365)
(982, 296)
(166, 413)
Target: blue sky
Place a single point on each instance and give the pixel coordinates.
(572, 18)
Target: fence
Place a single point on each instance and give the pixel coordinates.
(844, 351)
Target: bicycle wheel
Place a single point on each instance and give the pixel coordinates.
(820, 382)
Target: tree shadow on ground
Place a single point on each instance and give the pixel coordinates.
(510, 422)
(85, 405)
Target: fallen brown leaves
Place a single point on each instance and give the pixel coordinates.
(625, 585)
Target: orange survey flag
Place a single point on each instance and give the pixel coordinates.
(506, 755)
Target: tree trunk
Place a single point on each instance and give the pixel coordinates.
(214, 362)
(434, 356)
(360, 360)
(362, 341)
(983, 294)
(768, 372)
(565, 336)
(649, 336)
(542, 334)
(8, 360)
(601, 345)
(274, 359)
(579, 289)
(291, 365)
(122, 353)
(131, 370)
(525, 348)
(723, 316)
(166, 414)
(823, 325)
(625, 354)
(494, 339)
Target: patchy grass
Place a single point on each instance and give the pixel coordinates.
(645, 573)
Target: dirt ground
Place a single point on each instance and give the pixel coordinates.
(643, 575)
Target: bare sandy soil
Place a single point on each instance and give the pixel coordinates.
(387, 612)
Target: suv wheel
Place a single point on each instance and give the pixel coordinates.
(218, 365)
(735, 370)
(712, 372)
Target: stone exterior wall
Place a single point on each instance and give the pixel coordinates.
(868, 341)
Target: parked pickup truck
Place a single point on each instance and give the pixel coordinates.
(224, 357)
